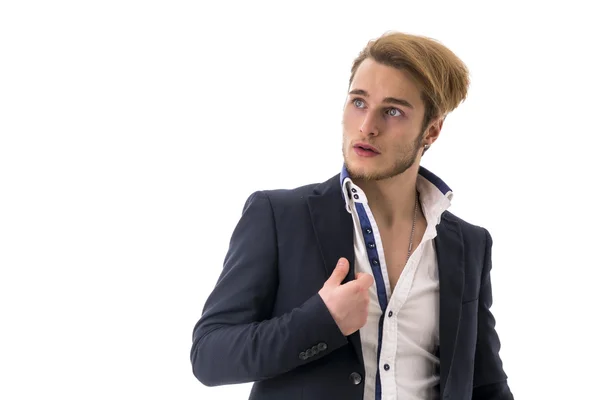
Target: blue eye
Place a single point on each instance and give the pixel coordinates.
(394, 112)
(358, 103)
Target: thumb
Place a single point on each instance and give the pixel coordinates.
(339, 273)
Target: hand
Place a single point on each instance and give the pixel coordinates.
(347, 303)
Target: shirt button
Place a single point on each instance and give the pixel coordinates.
(371, 245)
(386, 367)
(355, 378)
(375, 261)
(369, 231)
(390, 314)
(353, 190)
(355, 196)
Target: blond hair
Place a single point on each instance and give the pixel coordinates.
(443, 78)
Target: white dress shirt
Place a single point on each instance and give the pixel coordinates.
(402, 325)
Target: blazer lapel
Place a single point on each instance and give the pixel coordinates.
(450, 257)
(334, 230)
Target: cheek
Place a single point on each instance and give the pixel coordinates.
(351, 121)
(345, 116)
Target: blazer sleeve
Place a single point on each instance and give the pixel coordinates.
(236, 339)
(490, 381)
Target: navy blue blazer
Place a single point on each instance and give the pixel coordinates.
(264, 322)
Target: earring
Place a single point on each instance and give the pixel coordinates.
(427, 146)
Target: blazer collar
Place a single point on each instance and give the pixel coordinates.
(436, 181)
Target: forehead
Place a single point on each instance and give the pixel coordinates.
(381, 81)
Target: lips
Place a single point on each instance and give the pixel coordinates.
(366, 147)
(365, 151)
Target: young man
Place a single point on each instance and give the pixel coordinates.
(363, 286)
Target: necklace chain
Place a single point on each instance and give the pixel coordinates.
(412, 233)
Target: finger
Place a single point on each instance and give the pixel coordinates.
(364, 280)
(339, 273)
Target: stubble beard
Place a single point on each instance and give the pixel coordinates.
(407, 155)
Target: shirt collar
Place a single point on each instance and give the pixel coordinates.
(434, 193)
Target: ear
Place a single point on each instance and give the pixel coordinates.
(434, 130)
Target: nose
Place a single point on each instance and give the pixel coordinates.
(370, 124)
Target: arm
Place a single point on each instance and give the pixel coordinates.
(236, 340)
(490, 380)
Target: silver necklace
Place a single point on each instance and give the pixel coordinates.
(412, 233)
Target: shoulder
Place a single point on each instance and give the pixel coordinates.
(295, 196)
(477, 244)
(290, 195)
(471, 233)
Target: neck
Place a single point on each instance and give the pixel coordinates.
(392, 200)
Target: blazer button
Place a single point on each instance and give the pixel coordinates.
(355, 378)
(322, 346)
(303, 356)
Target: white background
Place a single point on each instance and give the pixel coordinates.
(132, 132)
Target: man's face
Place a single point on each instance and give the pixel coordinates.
(383, 110)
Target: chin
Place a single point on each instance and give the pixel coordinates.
(365, 169)
(371, 170)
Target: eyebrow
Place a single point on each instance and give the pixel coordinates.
(392, 100)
